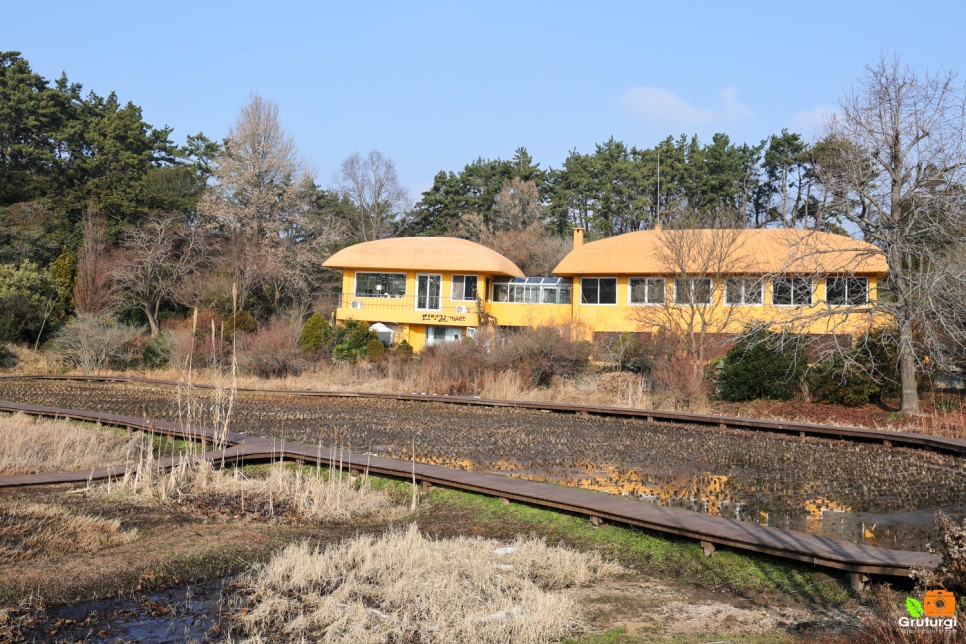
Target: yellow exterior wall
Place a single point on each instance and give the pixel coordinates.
(403, 310)
(622, 317)
(717, 317)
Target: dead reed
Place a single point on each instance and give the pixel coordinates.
(283, 493)
(402, 586)
(29, 530)
(29, 445)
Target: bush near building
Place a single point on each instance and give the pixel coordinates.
(316, 336)
(351, 341)
(763, 364)
(868, 372)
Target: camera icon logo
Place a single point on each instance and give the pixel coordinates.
(939, 603)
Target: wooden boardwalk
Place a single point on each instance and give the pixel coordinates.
(856, 559)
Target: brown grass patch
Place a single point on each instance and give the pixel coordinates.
(30, 530)
(283, 494)
(29, 445)
(402, 586)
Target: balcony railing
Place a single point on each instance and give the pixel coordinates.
(432, 308)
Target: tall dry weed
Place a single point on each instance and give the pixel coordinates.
(282, 494)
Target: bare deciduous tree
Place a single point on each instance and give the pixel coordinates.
(160, 253)
(517, 206)
(92, 292)
(534, 249)
(373, 187)
(898, 160)
(258, 204)
(692, 306)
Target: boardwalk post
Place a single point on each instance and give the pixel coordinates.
(858, 581)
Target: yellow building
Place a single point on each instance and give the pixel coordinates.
(419, 289)
(716, 282)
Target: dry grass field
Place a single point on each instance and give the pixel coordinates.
(35, 530)
(396, 587)
(30, 445)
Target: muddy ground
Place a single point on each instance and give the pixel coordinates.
(168, 585)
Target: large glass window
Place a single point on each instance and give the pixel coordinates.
(533, 290)
(849, 291)
(647, 290)
(380, 284)
(791, 291)
(598, 290)
(692, 290)
(743, 291)
(464, 287)
(428, 288)
(438, 334)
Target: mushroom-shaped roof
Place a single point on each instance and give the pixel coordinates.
(424, 254)
(754, 251)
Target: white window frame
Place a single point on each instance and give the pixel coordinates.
(811, 291)
(439, 297)
(598, 303)
(355, 284)
(694, 279)
(452, 287)
(630, 291)
(846, 278)
(744, 290)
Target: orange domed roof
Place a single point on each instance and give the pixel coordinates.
(424, 254)
(752, 251)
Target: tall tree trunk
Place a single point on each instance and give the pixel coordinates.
(152, 320)
(907, 370)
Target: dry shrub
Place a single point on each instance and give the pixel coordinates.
(679, 382)
(29, 446)
(543, 353)
(537, 355)
(951, 548)
(92, 342)
(30, 530)
(401, 586)
(284, 494)
(455, 368)
(188, 337)
(271, 352)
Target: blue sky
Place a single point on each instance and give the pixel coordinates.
(433, 85)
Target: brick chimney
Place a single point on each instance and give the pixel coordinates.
(578, 238)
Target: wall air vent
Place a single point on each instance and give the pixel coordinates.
(355, 304)
(462, 309)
